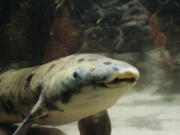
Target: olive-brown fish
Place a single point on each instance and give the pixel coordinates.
(63, 91)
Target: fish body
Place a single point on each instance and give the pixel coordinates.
(64, 90)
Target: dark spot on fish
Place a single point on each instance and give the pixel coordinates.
(92, 59)
(10, 106)
(28, 80)
(107, 63)
(67, 90)
(67, 93)
(53, 65)
(7, 105)
(39, 89)
(44, 116)
(81, 59)
(65, 96)
(115, 69)
(76, 75)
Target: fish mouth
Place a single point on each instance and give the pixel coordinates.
(121, 78)
(117, 81)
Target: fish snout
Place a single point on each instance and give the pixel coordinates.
(126, 74)
(109, 75)
(130, 72)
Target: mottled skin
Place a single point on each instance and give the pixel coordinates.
(65, 90)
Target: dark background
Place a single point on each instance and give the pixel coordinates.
(26, 38)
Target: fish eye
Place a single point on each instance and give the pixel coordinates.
(76, 75)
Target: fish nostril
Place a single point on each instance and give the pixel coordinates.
(107, 63)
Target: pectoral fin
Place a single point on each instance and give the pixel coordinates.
(37, 111)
